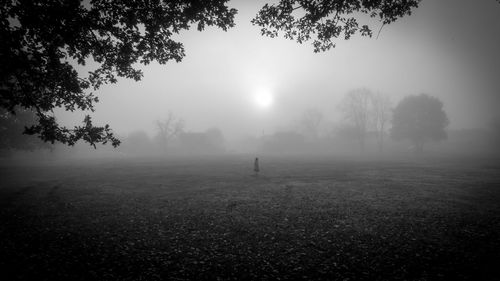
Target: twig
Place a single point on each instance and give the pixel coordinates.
(380, 29)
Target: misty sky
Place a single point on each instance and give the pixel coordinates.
(446, 48)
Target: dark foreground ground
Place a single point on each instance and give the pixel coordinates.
(211, 219)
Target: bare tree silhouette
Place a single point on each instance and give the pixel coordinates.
(381, 113)
(168, 129)
(309, 123)
(356, 109)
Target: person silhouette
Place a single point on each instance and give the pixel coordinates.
(256, 166)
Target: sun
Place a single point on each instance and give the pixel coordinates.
(263, 98)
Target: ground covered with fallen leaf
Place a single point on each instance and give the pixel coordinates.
(211, 219)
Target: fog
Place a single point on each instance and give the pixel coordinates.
(254, 157)
(250, 87)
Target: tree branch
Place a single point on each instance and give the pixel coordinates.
(380, 30)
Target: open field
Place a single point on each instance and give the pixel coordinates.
(212, 219)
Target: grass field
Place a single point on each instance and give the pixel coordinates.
(210, 218)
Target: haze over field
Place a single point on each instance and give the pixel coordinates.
(246, 84)
(253, 158)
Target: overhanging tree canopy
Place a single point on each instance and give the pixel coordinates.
(43, 40)
(322, 21)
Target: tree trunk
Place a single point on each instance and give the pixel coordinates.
(381, 142)
(419, 147)
(361, 139)
(362, 144)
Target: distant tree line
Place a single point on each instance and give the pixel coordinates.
(171, 138)
(366, 114)
(368, 122)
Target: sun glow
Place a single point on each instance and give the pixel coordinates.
(263, 98)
